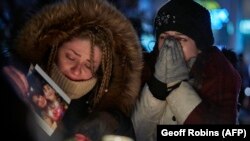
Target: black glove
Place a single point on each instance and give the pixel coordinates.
(170, 68)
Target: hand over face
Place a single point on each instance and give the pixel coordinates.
(171, 66)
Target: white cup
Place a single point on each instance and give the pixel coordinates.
(116, 138)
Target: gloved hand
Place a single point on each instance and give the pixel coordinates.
(176, 67)
(170, 68)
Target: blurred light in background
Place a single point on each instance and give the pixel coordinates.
(209, 4)
(245, 26)
(148, 42)
(219, 15)
(230, 28)
(218, 18)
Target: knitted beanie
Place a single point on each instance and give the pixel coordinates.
(188, 18)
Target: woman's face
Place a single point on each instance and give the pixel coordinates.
(39, 100)
(74, 59)
(49, 92)
(55, 113)
(188, 45)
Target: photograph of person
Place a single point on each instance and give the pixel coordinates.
(46, 99)
(41, 107)
(56, 106)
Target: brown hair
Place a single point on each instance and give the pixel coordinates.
(101, 37)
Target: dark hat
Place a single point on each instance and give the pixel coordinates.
(186, 17)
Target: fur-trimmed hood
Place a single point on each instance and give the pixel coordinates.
(36, 38)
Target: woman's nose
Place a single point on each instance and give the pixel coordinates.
(80, 73)
(76, 69)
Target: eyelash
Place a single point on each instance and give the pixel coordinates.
(88, 66)
(182, 39)
(179, 38)
(70, 58)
